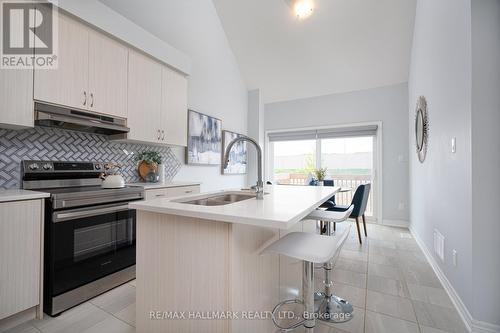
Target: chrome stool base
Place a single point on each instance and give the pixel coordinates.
(308, 318)
(332, 309)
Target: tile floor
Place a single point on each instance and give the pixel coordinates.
(387, 279)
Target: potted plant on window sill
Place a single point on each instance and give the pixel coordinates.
(149, 167)
(320, 175)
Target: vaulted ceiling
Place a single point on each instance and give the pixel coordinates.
(345, 45)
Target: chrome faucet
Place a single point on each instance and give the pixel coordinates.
(259, 189)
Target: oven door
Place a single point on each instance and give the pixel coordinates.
(90, 243)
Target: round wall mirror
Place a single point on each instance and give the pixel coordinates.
(421, 128)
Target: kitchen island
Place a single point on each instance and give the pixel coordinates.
(198, 263)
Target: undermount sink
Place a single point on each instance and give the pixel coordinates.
(217, 199)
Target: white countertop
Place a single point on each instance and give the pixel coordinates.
(282, 207)
(18, 195)
(152, 186)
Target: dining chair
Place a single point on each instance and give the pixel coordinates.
(359, 200)
(330, 202)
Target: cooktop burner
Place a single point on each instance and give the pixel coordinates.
(75, 184)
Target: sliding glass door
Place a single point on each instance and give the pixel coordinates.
(349, 154)
(293, 161)
(350, 163)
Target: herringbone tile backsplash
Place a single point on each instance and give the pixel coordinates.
(41, 143)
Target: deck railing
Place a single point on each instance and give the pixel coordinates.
(345, 181)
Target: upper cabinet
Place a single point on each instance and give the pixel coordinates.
(157, 102)
(68, 84)
(91, 73)
(144, 98)
(100, 74)
(174, 107)
(16, 98)
(107, 75)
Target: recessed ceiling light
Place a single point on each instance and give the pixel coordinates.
(302, 8)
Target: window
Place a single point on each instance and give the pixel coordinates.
(293, 161)
(347, 153)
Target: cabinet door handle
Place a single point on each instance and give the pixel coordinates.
(190, 191)
(159, 135)
(162, 135)
(91, 100)
(159, 195)
(85, 99)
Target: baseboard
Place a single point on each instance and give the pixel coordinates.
(395, 223)
(17, 319)
(471, 324)
(484, 327)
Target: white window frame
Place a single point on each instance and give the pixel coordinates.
(377, 156)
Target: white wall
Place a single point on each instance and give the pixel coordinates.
(486, 159)
(104, 18)
(386, 104)
(255, 131)
(215, 84)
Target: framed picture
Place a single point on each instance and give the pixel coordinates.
(204, 139)
(238, 156)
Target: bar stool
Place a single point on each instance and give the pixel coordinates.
(331, 308)
(311, 249)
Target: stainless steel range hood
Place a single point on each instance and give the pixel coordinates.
(76, 120)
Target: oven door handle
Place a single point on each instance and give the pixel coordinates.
(64, 216)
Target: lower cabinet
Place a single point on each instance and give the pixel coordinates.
(21, 226)
(171, 192)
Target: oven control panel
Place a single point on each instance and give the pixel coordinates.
(29, 166)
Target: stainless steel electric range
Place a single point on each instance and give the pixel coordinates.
(90, 242)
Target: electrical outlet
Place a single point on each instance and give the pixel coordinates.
(401, 205)
(439, 244)
(454, 257)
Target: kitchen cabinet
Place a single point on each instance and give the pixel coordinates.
(169, 192)
(179, 191)
(91, 73)
(68, 84)
(21, 229)
(16, 94)
(108, 66)
(157, 102)
(100, 74)
(144, 98)
(174, 108)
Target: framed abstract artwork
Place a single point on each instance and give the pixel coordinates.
(204, 139)
(238, 156)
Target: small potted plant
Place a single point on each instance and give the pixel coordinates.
(320, 175)
(149, 167)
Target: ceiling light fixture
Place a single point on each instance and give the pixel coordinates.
(302, 8)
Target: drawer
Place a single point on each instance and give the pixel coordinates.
(156, 193)
(171, 192)
(184, 190)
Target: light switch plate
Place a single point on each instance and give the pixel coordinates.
(453, 145)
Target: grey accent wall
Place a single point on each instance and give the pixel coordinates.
(456, 65)
(440, 188)
(42, 143)
(486, 159)
(386, 104)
